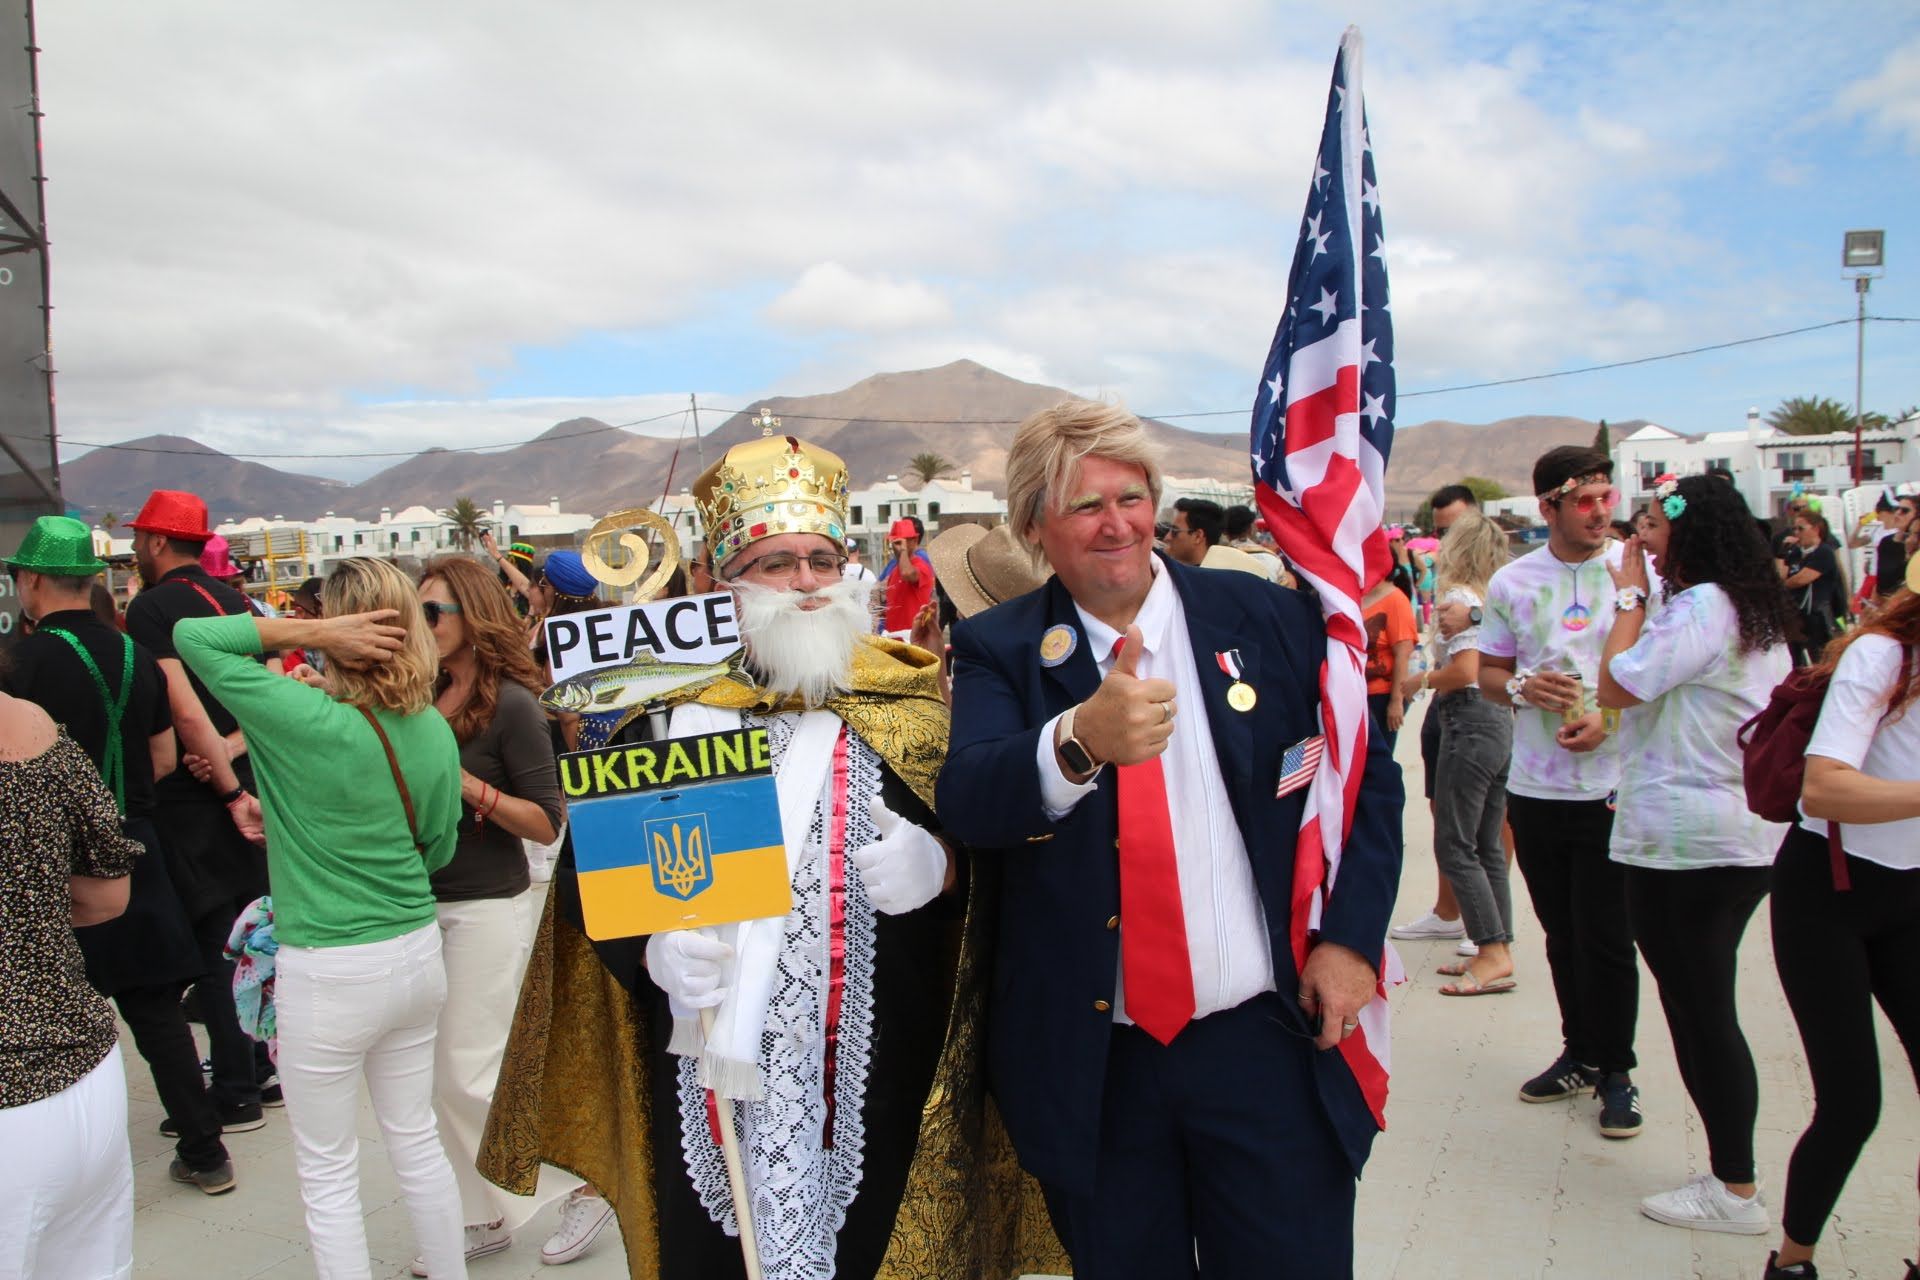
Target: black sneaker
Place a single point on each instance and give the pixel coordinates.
(242, 1118)
(216, 1181)
(1798, 1271)
(1619, 1106)
(1561, 1080)
(270, 1095)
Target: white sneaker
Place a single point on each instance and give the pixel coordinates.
(1428, 926)
(582, 1218)
(1466, 948)
(488, 1237)
(1705, 1204)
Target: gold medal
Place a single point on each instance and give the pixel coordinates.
(1057, 645)
(1240, 696)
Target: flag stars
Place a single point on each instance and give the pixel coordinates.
(1328, 305)
(1376, 406)
(1367, 355)
(1320, 173)
(1275, 386)
(1370, 197)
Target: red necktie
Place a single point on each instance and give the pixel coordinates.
(1153, 928)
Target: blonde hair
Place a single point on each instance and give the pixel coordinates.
(1473, 550)
(1048, 447)
(404, 682)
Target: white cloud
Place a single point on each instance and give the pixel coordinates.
(830, 297)
(1891, 98)
(261, 217)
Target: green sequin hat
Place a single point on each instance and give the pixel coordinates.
(59, 545)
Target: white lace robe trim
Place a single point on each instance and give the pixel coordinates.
(801, 1188)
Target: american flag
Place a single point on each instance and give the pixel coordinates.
(1322, 429)
(1299, 763)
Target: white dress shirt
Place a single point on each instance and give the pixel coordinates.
(1226, 924)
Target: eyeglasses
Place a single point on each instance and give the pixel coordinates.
(1587, 503)
(784, 564)
(434, 609)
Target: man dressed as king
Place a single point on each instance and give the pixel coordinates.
(844, 1037)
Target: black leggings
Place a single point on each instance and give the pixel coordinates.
(1837, 953)
(1689, 925)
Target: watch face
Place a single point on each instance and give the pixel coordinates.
(1076, 756)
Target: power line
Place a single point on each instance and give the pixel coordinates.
(1002, 422)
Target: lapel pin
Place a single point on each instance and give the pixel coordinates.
(1058, 644)
(1240, 694)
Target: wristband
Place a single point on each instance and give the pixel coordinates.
(233, 795)
(1627, 599)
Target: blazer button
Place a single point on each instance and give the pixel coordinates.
(1101, 1006)
(1113, 922)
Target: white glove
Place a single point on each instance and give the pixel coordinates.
(690, 965)
(903, 869)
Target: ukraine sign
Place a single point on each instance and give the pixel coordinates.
(676, 834)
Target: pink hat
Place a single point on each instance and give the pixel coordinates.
(217, 559)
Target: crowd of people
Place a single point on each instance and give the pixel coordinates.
(1039, 791)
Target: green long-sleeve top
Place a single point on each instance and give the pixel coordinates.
(341, 861)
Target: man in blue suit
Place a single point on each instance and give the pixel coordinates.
(1118, 740)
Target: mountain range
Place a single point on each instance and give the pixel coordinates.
(963, 411)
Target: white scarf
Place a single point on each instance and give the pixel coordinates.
(730, 1056)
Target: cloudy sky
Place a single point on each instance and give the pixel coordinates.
(373, 226)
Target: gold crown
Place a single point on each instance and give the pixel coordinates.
(773, 485)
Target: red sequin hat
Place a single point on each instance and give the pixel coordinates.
(174, 513)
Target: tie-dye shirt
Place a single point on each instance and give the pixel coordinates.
(1525, 622)
(1682, 802)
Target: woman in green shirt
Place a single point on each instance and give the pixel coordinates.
(351, 842)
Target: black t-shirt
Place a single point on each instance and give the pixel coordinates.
(45, 670)
(1824, 593)
(1890, 565)
(150, 620)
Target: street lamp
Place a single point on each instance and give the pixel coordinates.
(1863, 256)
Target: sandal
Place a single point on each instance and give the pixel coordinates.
(1468, 985)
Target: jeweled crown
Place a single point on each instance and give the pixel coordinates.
(776, 484)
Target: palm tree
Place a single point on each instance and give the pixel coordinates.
(468, 523)
(1818, 416)
(930, 467)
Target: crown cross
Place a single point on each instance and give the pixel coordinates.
(768, 423)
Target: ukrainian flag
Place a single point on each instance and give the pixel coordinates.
(707, 853)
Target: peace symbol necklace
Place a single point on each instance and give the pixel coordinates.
(1575, 616)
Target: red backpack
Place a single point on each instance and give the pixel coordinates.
(1773, 748)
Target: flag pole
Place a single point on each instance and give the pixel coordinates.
(736, 1168)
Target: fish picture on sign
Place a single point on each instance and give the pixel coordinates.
(609, 664)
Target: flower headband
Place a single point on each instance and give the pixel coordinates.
(1667, 489)
(1571, 483)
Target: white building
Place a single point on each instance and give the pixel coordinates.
(1767, 467)
(1239, 493)
(872, 510)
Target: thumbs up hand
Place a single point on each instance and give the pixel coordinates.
(905, 868)
(1128, 719)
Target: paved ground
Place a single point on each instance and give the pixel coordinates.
(1467, 1181)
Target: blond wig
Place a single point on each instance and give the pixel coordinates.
(1046, 453)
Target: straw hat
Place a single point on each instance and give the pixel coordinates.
(979, 568)
(61, 546)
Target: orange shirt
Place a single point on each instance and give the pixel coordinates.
(1389, 622)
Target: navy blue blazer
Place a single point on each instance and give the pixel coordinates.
(1057, 950)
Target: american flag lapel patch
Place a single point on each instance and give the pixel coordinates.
(1298, 764)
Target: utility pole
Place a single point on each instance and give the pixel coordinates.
(1860, 284)
(1861, 253)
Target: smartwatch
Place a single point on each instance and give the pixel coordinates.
(1473, 615)
(1078, 758)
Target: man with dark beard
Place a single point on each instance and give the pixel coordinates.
(866, 1154)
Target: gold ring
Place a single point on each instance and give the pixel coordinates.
(1167, 707)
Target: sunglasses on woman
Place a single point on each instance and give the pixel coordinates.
(435, 608)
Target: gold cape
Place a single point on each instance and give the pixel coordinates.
(574, 1085)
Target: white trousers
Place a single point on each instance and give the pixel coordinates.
(66, 1183)
(485, 943)
(366, 1011)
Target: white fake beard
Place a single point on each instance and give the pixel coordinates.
(804, 652)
